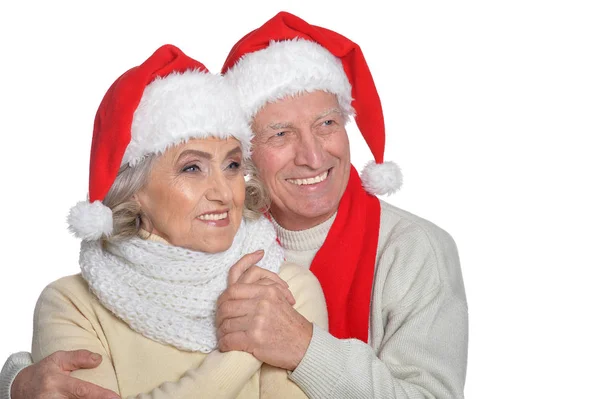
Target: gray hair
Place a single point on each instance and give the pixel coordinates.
(127, 214)
(126, 211)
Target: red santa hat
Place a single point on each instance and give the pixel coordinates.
(166, 100)
(287, 56)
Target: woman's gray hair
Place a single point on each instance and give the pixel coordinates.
(257, 198)
(127, 214)
(126, 211)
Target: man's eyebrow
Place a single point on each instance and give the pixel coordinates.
(329, 111)
(275, 126)
(280, 125)
(287, 125)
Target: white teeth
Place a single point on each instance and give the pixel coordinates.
(312, 180)
(213, 216)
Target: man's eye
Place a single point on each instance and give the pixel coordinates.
(329, 122)
(191, 168)
(280, 134)
(234, 165)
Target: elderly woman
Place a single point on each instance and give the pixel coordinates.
(169, 214)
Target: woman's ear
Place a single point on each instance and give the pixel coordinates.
(143, 220)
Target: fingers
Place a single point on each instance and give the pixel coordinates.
(234, 308)
(289, 297)
(242, 265)
(236, 341)
(265, 290)
(69, 361)
(255, 273)
(74, 388)
(231, 325)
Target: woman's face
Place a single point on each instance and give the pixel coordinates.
(195, 194)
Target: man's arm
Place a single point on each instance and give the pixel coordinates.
(13, 365)
(20, 378)
(419, 329)
(424, 356)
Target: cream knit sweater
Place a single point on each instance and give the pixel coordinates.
(418, 323)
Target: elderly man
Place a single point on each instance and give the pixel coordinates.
(392, 281)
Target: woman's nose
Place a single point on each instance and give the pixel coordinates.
(219, 190)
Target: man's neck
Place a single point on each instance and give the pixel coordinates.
(298, 223)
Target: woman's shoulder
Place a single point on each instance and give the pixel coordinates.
(72, 289)
(307, 291)
(74, 284)
(291, 271)
(298, 277)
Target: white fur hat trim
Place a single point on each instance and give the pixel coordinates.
(181, 106)
(288, 68)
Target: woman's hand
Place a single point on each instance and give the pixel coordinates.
(245, 271)
(256, 315)
(49, 378)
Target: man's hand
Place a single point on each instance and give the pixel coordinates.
(49, 378)
(256, 316)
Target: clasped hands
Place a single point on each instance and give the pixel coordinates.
(255, 314)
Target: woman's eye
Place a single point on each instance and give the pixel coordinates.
(191, 168)
(234, 165)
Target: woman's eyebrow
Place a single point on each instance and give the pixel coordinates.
(199, 153)
(207, 155)
(235, 151)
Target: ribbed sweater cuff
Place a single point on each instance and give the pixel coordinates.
(323, 364)
(13, 366)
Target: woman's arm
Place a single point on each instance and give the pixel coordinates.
(310, 303)
(62, 321)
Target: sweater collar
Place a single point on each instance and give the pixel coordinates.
(146, 235)
(303, 240)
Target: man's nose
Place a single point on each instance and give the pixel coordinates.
(310, 151)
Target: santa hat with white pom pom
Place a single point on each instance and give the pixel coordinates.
(287, 56)
(166, 100)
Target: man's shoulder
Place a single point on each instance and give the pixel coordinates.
(396, 222)
(410, 245)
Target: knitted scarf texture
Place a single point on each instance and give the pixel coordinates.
(169, 293)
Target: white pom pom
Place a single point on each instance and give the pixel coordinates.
(381, 178)
(89, 221)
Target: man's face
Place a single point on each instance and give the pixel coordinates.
(302, 153)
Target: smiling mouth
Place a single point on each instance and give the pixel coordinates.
(213, 216)
(310, 180)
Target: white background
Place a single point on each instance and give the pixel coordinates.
(492, 111)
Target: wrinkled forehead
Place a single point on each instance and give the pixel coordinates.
(297, 109)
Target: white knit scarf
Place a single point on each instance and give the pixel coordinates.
(168, 293)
